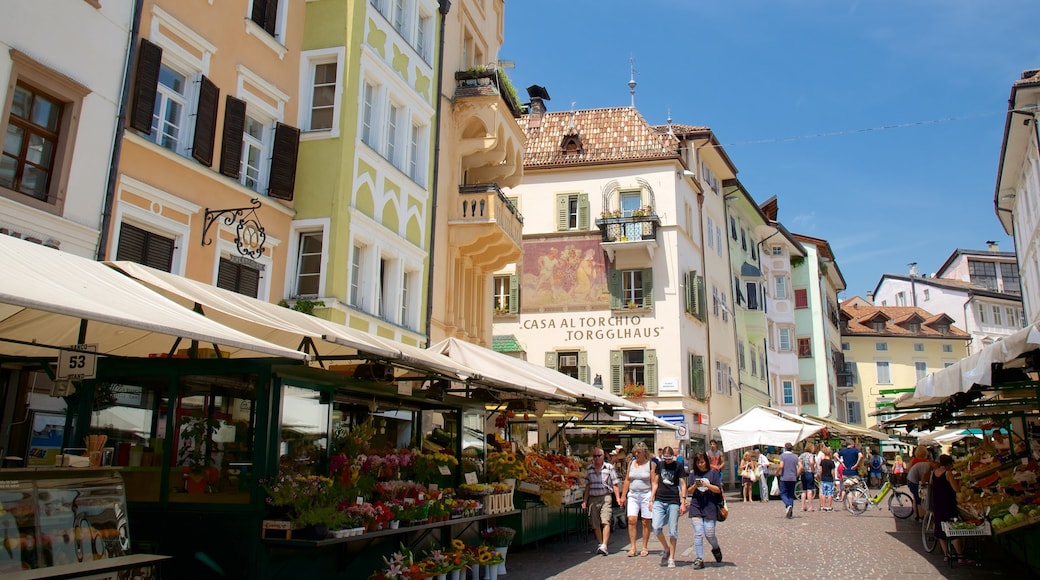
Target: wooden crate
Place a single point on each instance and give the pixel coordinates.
(278, 529)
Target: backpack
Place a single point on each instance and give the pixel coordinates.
(876, 463)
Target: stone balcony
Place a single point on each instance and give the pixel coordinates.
(490, 141)
(485, 227)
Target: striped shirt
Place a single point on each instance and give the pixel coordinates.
(601, 481)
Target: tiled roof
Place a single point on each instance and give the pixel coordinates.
(1029, 77)
(506, 343)
(679, 128)
(606, 135)
(860, 315)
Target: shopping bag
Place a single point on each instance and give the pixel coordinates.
(774, 489)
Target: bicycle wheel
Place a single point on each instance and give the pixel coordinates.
(901, 504)
(798, 489)
(856, 501)
(928, 533)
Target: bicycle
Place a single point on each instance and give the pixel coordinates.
(857, 498)
(928, 538)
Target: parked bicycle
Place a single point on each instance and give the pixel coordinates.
(858, 499)
(928, 538)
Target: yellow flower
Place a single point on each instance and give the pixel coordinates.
(458, 544)
(484, 557)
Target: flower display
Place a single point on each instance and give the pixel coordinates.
(634, 391)
(310, 499)
(504, 466)
(499, 537)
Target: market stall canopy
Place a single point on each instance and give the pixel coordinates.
(942, 437)
(847, 430)
(46, 295)
(766, 426)
(504, 368)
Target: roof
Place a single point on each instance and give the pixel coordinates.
(949, 283)
(611, 135)
(977, 253)
(825, 250)
(860, 315)
(695, 132)
(506, 343)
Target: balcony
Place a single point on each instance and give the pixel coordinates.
(846, 383)
(485, 227)
(629, 239)
(489, 140)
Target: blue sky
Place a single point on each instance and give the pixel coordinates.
(877, 123)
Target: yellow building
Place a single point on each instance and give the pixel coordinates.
(889, 348)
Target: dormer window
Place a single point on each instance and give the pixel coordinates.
(942, 328)
(914, 327)
(571, 145)
(878, 326)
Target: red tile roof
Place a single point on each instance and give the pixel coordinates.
(611, 135)
(860, 315)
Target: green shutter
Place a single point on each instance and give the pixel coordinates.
(561, 212)
(648, 288)
(583, 366)
(697, 389)
(616, 289)
(690, 285)
(616, 362)
(514, 294)
(701, 298)
(550, 360)
(583, 211)
(650, 372)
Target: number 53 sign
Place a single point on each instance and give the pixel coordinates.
(78, 361)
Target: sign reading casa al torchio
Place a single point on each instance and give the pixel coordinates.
(594, 327)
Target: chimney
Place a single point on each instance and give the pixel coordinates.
(536, 109)
(993, 246)
(870, 297)
(914, 271)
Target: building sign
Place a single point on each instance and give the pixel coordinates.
(595, 327)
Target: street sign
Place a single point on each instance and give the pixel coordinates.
(682, 433)
(674, 418)
(77, 361)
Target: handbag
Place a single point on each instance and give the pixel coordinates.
(748, 473)
(723, 510)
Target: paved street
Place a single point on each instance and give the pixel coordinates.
(758, 542)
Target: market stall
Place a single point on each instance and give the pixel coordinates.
(766, 426)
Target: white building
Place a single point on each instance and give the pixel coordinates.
(62, 71)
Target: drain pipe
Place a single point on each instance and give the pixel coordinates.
(445, 6)
(117, 138)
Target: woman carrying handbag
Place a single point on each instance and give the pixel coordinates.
(704, 496)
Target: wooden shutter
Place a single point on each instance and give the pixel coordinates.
(650, 372)
(617, 361)
(752, 296)
(583, 366)
(146, 83)
(283, 162)
(561, 212)
(205, 122)
(647, 277)
(271, 17)
(616, 290)
(583, 211)
(690, 284)
(697, 386)
(702, 300)
(145, 247)
(514, 294)
(231, 137)
(238, 278)
(550, 360)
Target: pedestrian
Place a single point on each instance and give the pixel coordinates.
(920, 454)
(601, 483)
(705, 495)
(716, 458)
(851, 459)
(827, 481)
(877, 462)
(636, 495)
(917, 473)
(788, 473)
(898, 468)
(807, 471)
(943, 487)
(666, 494)
(839, 474)
(763, 476)
(747, 475)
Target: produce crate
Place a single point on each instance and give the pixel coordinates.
(982, 530)
(279, 529)
(529, 487)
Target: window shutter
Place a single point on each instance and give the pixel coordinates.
(697, 386)
(238, 278)
(550, 360)
(616, 362)
(583, 211)
(144, 247)
(583, 366)
(650, 372)
(615, 290)
(752, 296)
(259, 15)
(701, 298)
(691, 292)
(283, 162)
(145, 86)
(561, 211)
(514, 294)
(271, 18)
(205, 122)
(231, 138)
(648, 288)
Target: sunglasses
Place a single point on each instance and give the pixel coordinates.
(598, 455)
(668, 458)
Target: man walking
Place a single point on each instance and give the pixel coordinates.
(851, 458)
(717, 460)
(788, 472)
(601, 482)
(763, 476)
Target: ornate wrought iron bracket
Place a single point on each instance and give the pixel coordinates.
(249, 232)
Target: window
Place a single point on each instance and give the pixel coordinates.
(854, 409)
(918, 347)
(368, 104)
(694, 294)
(265, 14)
(752, 296)
(324, 87)
(948, 348)
(723, 378)
(571, 363)
(382, 297)
(850, 371)
(808, 394)
(920, 369)
(900, 298)
(572, 211)
(804, 348)
(356, 263)
(801, 298)
(927, 294)
(996, 316)
(145, 247)
(878, 326)
(780, 287)
(254, 143)
(238, 276)
(741, 359)
(698, 389)
(393, 119)
(711, 233)
(1009, 276)
(733, 228)
(743, 240)
(400, 17)
(754, 361)
(414, 151)
(788, 392)
(423, 33)
(778, 250)
(884, 375)
(631, 289)
(379, 5)
(846, 347)
(914, 327)
(506, 297)
(983, 274)
(785, 340)
(881, 346)
(308, 269)
(170, 102)
(633, 367)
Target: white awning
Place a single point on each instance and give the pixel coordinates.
(765, 426)
(46, 294)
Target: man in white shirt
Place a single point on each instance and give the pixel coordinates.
(763, 478)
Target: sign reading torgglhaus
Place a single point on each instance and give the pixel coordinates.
(595, 327)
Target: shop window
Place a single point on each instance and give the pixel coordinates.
(305, 426)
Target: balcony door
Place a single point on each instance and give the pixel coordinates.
(630, 203)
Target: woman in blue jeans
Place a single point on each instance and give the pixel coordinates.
(667, 490)
(704, 495)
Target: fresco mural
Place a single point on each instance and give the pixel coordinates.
(563, 275)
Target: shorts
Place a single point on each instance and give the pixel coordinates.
(638, 504)
(666, 513)
(601, 508)
(826, 489)
(808, 482)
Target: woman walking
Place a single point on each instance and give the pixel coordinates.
(705, 494)
(747, 475)
(637, 495)
(807, 468)
(943, 488)
(666, 494)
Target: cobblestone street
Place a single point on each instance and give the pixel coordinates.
(758, 542)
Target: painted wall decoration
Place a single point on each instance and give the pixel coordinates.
(563, 275)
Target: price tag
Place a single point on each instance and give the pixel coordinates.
(471, 477)
(409, 500)
(360, 500)
(444, 469)
(433, 487)
(422, 497)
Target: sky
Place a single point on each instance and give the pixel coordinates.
(876, 123)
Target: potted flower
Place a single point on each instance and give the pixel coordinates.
(317, 520)
(634, 391)
(499, 538)
(196, 432)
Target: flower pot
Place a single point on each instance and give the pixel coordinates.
(475, 572)
(195, 483)
(315, 532)
(502, 566)
(456, 574)
(394, 524)
(491, 572)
